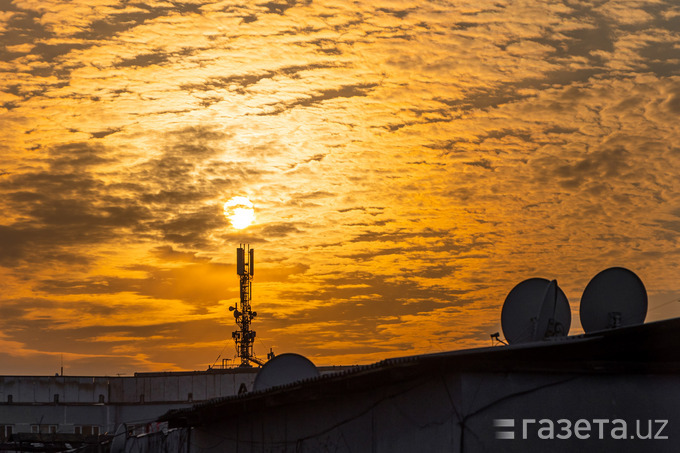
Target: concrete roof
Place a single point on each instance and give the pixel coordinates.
(648, 348)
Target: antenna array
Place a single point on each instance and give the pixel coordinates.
(244, 337)
(537, 309)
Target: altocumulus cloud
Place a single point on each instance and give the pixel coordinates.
(409, 162)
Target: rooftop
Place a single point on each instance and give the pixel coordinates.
(646, 348)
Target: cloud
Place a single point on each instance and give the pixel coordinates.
(409, 162)
(167, 253)
(242, 82)
(347, 91)
(604, 164)
(54, 210)
(279, 230)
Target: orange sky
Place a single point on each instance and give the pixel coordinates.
(409, 163)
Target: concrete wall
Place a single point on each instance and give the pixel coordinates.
(42, 389)
(457, 412)
(167, 387)
(181, 387)
(178, 388)
(133, 400)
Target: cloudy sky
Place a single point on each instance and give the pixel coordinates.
(409, 163)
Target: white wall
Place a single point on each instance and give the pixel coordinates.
(79, 397)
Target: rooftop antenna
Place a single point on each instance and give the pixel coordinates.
(616, 297)
(495, 339)
(285, 369)
(534, 310)
(244, 337)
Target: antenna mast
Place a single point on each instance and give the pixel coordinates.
(243, 315)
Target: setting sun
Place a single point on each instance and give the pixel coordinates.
(410, 163)
(240, 212)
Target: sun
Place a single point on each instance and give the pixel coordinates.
(240, 212)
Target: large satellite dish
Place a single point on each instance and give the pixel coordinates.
(284, 369)
(534, 310)
(615, 297)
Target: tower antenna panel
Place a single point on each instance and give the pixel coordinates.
(240, 261)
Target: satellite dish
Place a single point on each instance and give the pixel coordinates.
(615, 297)
(534, 310)
(284, 369)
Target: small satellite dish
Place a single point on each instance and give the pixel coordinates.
(535, 309)
(284, 369)
(616, 297)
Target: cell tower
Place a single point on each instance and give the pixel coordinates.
(244, 338)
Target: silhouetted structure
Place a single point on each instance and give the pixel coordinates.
(84, 411)
(614, 390)
(244, 337)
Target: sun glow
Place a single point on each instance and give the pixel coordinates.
(240, 212)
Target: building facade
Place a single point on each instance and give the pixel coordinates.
(615, 390)
(104, 405)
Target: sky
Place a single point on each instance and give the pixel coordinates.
(409, 162)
